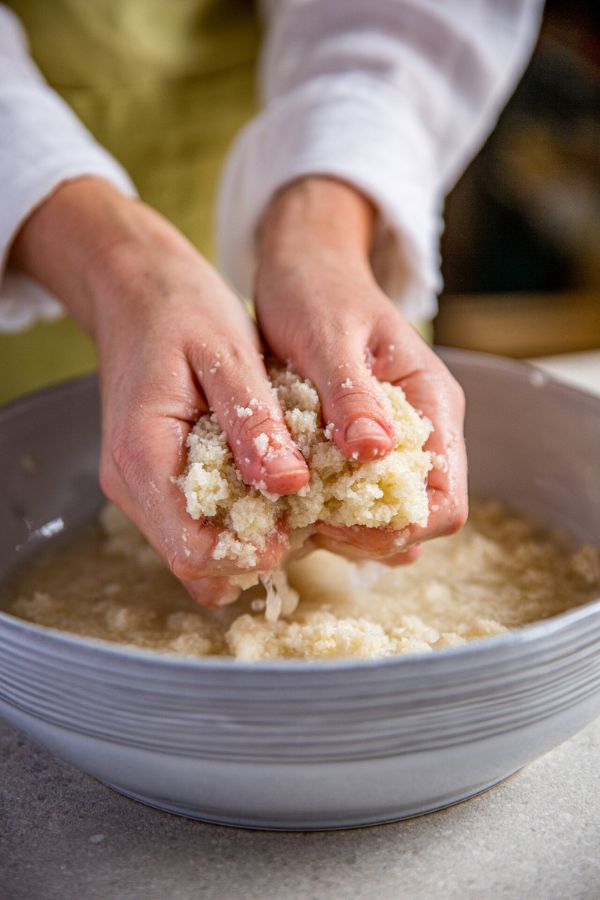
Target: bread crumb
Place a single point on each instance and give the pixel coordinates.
(261, 442)
(388, 491)
(438, 461)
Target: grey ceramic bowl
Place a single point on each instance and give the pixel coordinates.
(297, 745)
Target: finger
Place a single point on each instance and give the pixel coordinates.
(396, 348)
(375, 543)
(349, 398)
(358, 553)
(435, 393)
(378, 542)
(448, 516)
(406, 558)
(235, 382)
(341, 548)
(213, 592)
(409, 362)
(139, 463)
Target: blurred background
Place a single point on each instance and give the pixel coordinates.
(521, 249)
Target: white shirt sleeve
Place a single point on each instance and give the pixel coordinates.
(42, 144)
(394, 97)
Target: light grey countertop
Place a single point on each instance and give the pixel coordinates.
(63, 836)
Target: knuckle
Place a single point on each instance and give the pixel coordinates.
(329, 338)
(350, 393)
(247, 430)
(354, 397)
(315, 333)
(390, 322)
(227, 358)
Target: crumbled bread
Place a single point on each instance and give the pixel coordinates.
(261, 442)
(389, 491)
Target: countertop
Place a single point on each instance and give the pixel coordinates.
(63, 836)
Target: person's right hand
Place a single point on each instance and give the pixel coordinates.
(173, 341)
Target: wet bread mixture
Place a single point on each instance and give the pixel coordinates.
(389, 491)
(499, 573)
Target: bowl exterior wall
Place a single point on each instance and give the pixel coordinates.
(307, 796)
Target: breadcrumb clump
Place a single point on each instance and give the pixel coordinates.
(386, 492)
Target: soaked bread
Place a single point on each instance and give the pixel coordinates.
(499, 573)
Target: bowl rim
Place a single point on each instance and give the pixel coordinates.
(485, 650)
(471, 651)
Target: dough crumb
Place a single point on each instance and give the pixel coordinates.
(261, 442)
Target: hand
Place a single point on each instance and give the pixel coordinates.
(319, 306)
(173, 341)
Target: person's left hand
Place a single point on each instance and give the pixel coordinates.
(320, 308)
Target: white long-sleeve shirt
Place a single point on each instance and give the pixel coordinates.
(392, 96)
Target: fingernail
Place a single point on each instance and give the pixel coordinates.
(365, 429)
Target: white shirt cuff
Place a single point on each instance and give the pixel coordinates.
(50, 147)
(355, 131)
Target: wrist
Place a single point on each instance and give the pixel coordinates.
(92, 246)
(317, 217)
(61, 239)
